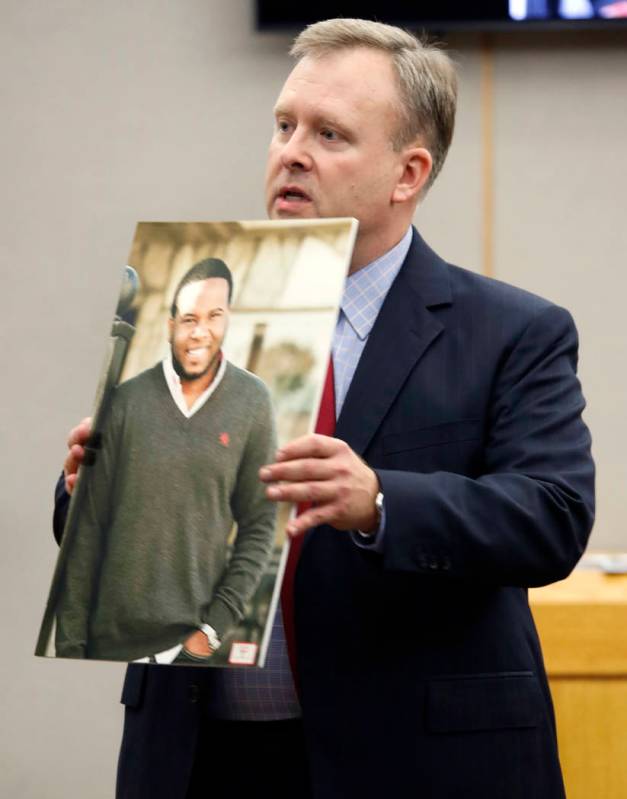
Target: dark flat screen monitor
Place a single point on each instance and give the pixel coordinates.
(445, 15)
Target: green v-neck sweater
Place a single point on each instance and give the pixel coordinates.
(148, 563)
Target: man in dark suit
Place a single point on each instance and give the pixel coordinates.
(459, 475)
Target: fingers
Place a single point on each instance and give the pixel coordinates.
(70, 482)
(316, 491)
(312, 517)
(80, 433)
(77, 439)
(310, 446)
(304, 471)
(311, 457)
(325, 472)
(297, 470)
(70, 466)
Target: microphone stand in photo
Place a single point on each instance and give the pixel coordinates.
(117, 347)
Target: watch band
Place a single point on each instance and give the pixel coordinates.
(212, 636)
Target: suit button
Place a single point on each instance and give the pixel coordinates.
(193, 693)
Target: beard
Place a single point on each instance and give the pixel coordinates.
(191, 376)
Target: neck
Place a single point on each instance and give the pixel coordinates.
(369, 249)
(192, 389)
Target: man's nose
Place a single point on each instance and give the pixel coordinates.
(200, 330)
(295, 153)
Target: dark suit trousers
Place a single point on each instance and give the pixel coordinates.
(246, 758)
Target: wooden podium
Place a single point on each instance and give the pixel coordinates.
(582, 622)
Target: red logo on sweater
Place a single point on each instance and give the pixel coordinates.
(224, 439)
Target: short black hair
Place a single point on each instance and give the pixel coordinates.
(203, 270)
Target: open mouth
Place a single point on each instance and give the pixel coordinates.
(293, 194)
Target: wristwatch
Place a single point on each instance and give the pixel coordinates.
(212, 637)
(378, 507)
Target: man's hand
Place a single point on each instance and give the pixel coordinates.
(326, 472)
(76, 452)
(198, 644)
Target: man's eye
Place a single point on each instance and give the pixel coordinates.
(329, 135)
(282, 126)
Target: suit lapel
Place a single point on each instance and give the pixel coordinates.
(403, 331)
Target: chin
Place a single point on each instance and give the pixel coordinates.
(194, 374)
(308, 212)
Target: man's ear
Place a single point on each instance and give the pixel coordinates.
(417, 164)
(170, 329)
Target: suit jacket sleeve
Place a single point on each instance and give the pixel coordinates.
(525, 520)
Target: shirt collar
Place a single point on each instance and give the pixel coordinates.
(366, 289)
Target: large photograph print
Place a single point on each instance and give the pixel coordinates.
(217, 355)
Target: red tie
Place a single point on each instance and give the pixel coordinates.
(326, 427)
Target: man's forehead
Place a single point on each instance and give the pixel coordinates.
(211, 290)
(354, 75)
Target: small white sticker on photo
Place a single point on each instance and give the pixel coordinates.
(243, 654)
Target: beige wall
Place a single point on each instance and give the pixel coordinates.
(561, 224)
(114, 112)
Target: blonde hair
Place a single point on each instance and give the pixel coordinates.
(427, 81)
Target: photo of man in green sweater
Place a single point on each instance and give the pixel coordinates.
(148, 576)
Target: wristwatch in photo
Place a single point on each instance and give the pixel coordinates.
(214, 641)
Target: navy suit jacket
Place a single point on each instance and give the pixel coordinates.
(420, 668)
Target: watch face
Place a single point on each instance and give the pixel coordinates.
(378, 503)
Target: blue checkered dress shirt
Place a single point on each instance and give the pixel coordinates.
(268, 694)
